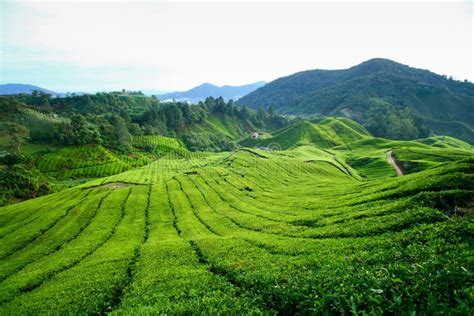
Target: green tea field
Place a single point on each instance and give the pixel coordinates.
(304, 230)
(236, 158)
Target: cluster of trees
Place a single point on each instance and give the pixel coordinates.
(439, 100)
(175, 119)
(196, 141)
(387, 121)
(15, 136)
(99, 103)
(172, 119)
(19, 179)
(111, 119)
(129, 92)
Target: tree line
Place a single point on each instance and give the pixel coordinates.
(111, 120)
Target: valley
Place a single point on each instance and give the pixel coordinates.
(323, 224)
(118, 203)
(236, 158)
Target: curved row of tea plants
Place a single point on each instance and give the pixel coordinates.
(296, 231)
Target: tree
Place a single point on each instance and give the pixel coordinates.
(78, 131)
(210, 103)
(245, 113)
(122, 134)
(44, 105)
(16, 180)
(17, 134)
(9, 106)
(135, 129)
(219, 105)
(88, 105)
(174, 118)
(385, 120)
(261, 114)
(271, 111)
(42, 100)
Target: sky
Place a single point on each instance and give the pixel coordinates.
(162, 45)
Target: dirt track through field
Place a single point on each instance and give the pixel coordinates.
(394, 163)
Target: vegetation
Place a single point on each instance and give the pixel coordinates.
(376, 93)
(119, 204)
(108, 133)
(113, 119)
(323, 133)
(250, 231)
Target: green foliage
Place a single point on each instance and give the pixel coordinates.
(445, 106)
(384, 120)
(323, 133)
(87, 161)
(16, 135)
(111, 119)
(318, 224)
(207, 142)
(78, 132)
(249, 232)
(17, 181)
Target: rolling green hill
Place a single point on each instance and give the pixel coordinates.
(251, 231)
(107, 133)
(129, 215)
(444, 105)
(323, 133)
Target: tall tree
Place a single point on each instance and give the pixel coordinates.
(17, 136)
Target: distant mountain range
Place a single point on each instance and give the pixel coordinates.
(205, 90)
(445, 106)
(16, 88)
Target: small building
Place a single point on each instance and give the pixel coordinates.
(255, 136)
(54, 115)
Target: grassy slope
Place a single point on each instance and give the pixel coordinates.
(369, 156)
(250, 231)
(76, 162)
(349, 145)
(323, 133)
(453, 128)
(226, 126)
(223, 126)
(446, 105)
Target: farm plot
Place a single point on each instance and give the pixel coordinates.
(246, 232)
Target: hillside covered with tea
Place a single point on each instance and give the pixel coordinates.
(311, 218)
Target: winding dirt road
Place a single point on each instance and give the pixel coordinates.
(394, 163)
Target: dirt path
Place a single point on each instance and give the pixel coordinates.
(393, 162)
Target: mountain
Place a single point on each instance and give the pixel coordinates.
(445, 106)
(205, 90)
(131, 212)
(150, 92)
(16, 88)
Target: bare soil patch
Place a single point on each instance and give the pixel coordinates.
(114, 185)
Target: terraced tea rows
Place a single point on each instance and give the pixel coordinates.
(245, 232)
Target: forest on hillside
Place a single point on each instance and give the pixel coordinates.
(115, 121)
(391, 99)
(111, 119)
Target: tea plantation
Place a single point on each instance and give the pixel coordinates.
(310, 229)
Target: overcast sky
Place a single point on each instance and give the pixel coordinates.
(162, 45)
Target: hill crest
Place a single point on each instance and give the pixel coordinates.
(445, 106)
(16, 88)
(201, 92)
